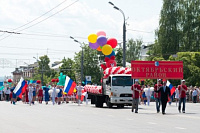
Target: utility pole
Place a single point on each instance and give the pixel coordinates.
(81, 57)
(124, 33)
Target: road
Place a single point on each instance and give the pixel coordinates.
(71, 118)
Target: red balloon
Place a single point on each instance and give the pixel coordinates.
(53, 80)
(57, 80)
(9, 80)
(38, 81)
(112, 42)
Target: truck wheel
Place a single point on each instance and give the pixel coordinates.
(109, 104)
(99, 102)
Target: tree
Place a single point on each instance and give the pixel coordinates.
(119, 57)
(133, 49)
(44, 65)
(191, 66)
(67, 68)
(179, 27)
(91, 65)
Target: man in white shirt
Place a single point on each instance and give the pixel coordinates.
(194, 95)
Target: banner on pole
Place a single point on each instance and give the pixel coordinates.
(157, 69)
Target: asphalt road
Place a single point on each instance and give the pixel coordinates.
(71, 118)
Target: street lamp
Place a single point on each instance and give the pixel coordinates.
(42, 69)
(124, 33)
(81, 56)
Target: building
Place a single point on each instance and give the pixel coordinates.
(27, 72)
(17, 74)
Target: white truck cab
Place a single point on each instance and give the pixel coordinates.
(117, 89)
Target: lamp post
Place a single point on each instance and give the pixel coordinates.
(81, 56)
(41, 71)
(124, 33)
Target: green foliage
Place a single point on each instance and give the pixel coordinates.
(67, 68)
(91, 65)
(179, 28)
(191, 66)
(119, 57)
(133, 49)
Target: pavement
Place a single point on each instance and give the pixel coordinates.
(71, 118)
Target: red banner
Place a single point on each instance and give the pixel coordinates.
(157, 69)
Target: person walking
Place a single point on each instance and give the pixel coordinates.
(79, 92)
(34, 93)
(194, 95)
(60, 93)
(148, 94)
(53, 95)
(177, 95)
(136, 88)
(40, 94)
(30, 93)
(165, 93)
(157, 95)
(7, 92)
(46, 94)
(182, 91)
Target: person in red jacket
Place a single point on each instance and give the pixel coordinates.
(157, 95)
(182, 95)
(136, 88)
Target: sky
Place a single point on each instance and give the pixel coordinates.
(50, 33)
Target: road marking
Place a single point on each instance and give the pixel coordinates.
(180, 128)
(129, 119)
(152, 123)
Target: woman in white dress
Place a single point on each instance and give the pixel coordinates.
(148, 95)
(79, 92)
(176, 95)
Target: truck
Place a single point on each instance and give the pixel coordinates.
(114, 90)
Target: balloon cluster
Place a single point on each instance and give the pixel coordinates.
(99, 42)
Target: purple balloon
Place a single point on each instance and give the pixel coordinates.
(101, 40)
(93, 45)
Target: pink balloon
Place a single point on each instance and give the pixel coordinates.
(101, 33)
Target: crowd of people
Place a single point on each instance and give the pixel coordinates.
(161, 94)
(35, 92)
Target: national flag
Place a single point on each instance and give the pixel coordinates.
(82, 95)
(69, 85)
(20, 88)
(172, 88)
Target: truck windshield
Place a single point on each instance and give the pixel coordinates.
(122, 81)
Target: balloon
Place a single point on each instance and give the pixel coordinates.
(99, 48)
(92, 38)
(93, 45)
(101, 40)
(112, 42)
(106, 49)
(101, 33)
(112, 54)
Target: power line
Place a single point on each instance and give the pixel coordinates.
(36, 49)
(39, 16)
(42, 20)
(140, 31)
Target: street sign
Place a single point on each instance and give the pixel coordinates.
(157, 69)
(88, 78)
